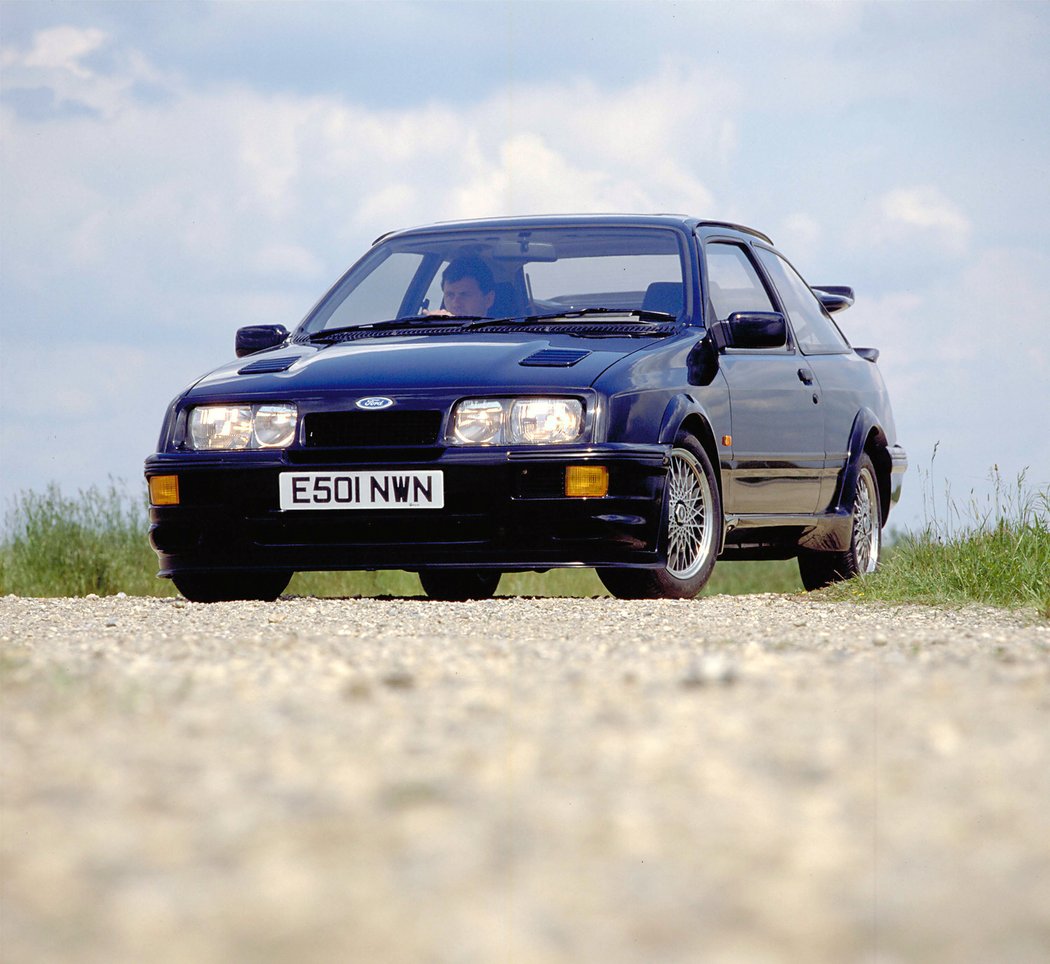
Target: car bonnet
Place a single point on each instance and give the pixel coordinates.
(419, 362)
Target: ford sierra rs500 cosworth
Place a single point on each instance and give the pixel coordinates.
(640, 394)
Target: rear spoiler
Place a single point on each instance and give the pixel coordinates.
(833, 297)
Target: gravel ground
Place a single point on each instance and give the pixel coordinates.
(732, 779)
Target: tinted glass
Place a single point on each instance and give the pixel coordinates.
(733, 283)
(814, 330)
(378, 295)
(539, 271)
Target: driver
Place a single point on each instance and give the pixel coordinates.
(467, 288)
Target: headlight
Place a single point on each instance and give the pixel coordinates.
(275, 426)
(478, 421)
(537, 421)
(225, 427)
(516, 421)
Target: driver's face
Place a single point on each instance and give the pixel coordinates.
(465, 297)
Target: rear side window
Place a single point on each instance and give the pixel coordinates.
(733, 283)
(815, 332)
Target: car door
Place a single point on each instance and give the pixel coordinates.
(826, 354)
(777, 440)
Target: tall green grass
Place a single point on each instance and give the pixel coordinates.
(993, 550)
(95, 542)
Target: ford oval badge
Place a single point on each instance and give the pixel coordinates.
(374, 402)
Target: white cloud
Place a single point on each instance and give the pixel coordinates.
(924, 207)
(800, 234)
(289, 260)
(55, 62)
(60, 48)
(209, 180)
(914, 216)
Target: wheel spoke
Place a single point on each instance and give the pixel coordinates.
(865, 525)
(688, 498)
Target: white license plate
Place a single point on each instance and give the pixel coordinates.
(362, 490)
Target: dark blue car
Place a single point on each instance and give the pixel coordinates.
(639, 394)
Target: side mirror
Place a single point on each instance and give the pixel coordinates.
(757, 329)
(258, 338)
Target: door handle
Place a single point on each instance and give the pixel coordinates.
(805, 376)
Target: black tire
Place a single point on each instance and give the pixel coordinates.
(459, 585)
(820, 569)
(691, 530)
(209, 587)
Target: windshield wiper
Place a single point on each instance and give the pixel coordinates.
(415, 321)
(643, 316)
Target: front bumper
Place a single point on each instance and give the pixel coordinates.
(504, 509)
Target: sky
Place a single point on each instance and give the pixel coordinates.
(171, 171)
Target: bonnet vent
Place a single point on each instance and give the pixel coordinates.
(264, 365)
(555, 358)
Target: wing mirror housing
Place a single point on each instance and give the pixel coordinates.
(757, 329)
(255, 338)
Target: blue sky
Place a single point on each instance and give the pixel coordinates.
(171, 171)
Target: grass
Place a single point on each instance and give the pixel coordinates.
(95, 542)
(995, 551)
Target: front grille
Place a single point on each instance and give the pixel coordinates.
(371, 429)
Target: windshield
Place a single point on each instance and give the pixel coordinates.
(508, 273)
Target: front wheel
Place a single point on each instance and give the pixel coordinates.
(691, 523)
(820, 569)
(209, 587)
(459, 585)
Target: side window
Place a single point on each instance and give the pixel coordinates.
(815, 332)
(733, 282)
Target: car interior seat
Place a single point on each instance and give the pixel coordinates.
(507, 304)
(665, 296)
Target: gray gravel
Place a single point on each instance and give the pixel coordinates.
(732, 779)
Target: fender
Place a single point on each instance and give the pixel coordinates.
(864, 425)
(679, 408)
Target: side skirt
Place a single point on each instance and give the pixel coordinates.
(766, 535)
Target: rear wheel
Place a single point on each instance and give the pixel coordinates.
(459, 585)
(691, 524)
(209, 587)
(819, 569)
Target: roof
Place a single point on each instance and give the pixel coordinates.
(679, 221)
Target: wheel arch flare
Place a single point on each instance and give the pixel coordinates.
(866, 437)
(685, 414)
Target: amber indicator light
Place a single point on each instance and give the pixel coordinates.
(164, 489)
(727, 439)
(586, 481)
